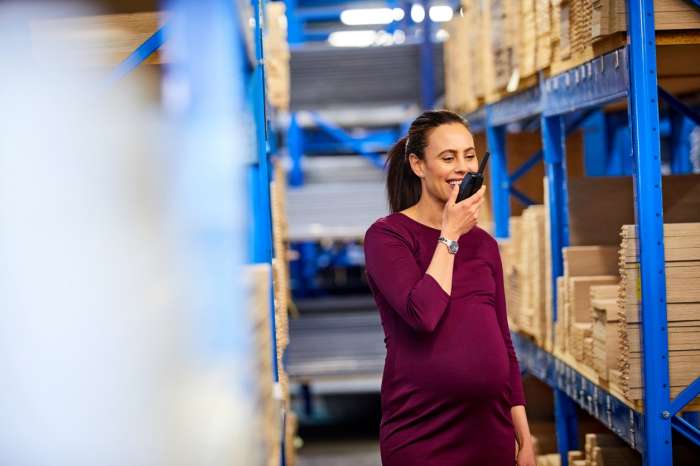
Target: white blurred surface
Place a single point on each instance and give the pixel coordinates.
(105, 356)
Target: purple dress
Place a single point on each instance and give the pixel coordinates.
(450, 374)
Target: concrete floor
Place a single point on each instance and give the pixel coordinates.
(347, 437)
(351, 452)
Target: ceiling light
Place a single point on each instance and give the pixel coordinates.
(365, 16)
(441, 14)
(417, 13)
(352, 38)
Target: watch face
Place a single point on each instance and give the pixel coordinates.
(454, 246)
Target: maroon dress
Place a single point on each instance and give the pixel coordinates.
(450, 374)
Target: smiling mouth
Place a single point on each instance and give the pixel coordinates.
(454, 182)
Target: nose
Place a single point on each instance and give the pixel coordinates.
(462, 165)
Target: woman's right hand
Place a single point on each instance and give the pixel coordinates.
(458, 218)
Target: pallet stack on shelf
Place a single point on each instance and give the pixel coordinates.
(682, 250)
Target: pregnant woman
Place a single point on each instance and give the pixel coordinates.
(451, 392)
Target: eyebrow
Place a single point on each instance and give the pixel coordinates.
(454, 151)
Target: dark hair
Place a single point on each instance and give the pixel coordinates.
(402, 185)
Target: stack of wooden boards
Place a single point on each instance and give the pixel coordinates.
(256, 279)
(585, 269)
(682, 254)
(603, 449)
(502, 44)
(276, 55)
(282, 298)
(525, 262)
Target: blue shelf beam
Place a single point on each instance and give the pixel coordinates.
(679, 106)
(370, 149)
(138, 56)
(517, 107)
(603, 80)
(477, 120)
(576, 388)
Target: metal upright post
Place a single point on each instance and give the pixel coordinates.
(427, 72)
(295, 146)
(295, 28)
(554, 148)
(500, 184)
(644, 119)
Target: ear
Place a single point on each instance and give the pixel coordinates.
(417, 165)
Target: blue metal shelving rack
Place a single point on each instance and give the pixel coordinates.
(213, 105)
(628, 72)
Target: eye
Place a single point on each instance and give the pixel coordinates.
(448, 158)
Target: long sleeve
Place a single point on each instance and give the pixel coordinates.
(391, 266)
(517, 396)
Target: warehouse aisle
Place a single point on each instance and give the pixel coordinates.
(350, 438)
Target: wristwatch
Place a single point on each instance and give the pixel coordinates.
(452, 246)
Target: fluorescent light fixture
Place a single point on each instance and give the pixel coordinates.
(352, 38)
(366, 16)
(417, 13)
(399, 36)
(399, 14)
(440, 14)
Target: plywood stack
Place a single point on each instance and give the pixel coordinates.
(257, 291)
(532, 319)
(584, 268)
(610, 16)
(682, 251)
(461, 59)
(103, 40)
(277, 56)
(605, 319)
(501, 44)
(543, 24)
(527, 39)
(556, 29)
(552, 459)
(280, 269)
(604, 449)
(512, 272)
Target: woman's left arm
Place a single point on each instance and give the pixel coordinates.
(526, 451)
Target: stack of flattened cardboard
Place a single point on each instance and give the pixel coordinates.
(584, 268)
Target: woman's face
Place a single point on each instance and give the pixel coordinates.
(450, 154)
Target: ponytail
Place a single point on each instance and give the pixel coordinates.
(402, 185)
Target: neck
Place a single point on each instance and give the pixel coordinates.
(428, 211)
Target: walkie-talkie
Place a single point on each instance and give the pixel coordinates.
(472, 182)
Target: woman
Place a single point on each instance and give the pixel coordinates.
(451, 391)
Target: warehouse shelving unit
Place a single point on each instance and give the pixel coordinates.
(559, 102)
(215, 102)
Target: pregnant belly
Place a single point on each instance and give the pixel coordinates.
(464, 359)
